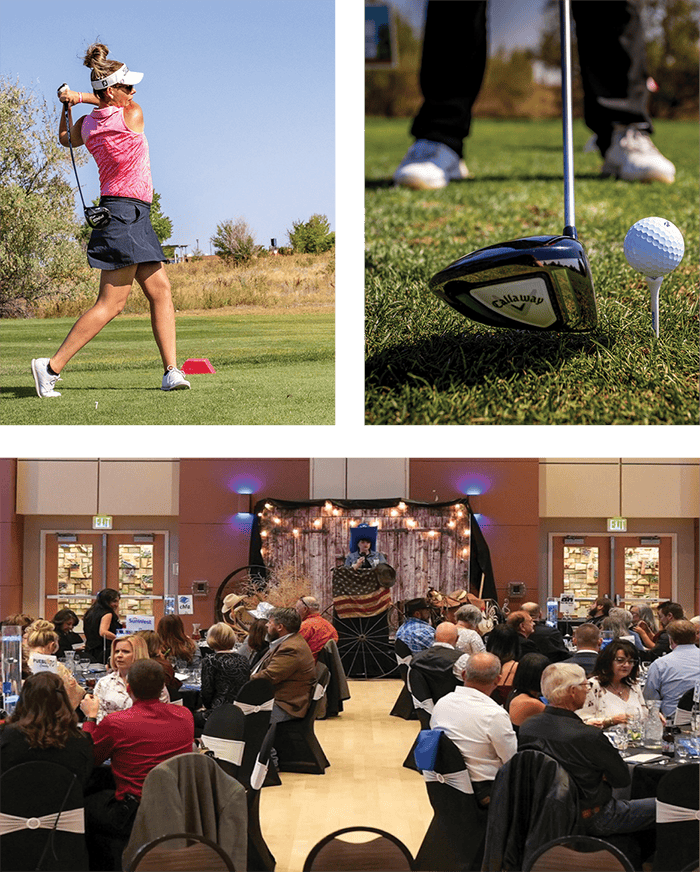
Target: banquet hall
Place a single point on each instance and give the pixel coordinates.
(179, 535)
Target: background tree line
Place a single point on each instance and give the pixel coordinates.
(510, 90)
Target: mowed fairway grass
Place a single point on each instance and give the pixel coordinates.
(272, 367)
(426, 364)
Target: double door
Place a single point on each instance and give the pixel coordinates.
(637, 569)
(78, 565)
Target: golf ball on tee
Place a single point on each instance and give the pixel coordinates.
(654, 247)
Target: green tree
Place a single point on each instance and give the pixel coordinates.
(312, 236)
(508, 82)
(39, 251)
(671, 35)
(162, 225)
(672, 53)
(396, 92)
(234, 240)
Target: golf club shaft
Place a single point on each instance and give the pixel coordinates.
(72, 157)
(565, 28)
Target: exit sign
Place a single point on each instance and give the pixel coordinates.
(617, 525)
(102, 522)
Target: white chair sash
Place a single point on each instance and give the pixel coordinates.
(671, 814)
(459, 780)
(248, 709)
(319, 691)
(404, 661)
(426, 704)
(681, 717)
(258, 774)
(71, 821)
(228, 749)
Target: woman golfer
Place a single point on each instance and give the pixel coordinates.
(127, 247)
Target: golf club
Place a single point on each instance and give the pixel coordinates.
(96, 216)
(537, 282)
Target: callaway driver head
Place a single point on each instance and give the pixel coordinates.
(533, 283)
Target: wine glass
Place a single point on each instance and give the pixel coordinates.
(195, 631)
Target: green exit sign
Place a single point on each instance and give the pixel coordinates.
(617, 525)
(102, 522)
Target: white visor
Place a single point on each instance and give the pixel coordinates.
(123, 76)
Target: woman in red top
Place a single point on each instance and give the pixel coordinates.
(127, 247)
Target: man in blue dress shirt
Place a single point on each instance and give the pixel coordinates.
(672, 675)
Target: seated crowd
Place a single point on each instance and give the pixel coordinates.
(128, 719)
(519, 687)
(528, 691)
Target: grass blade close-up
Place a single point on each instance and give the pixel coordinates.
(427, 364)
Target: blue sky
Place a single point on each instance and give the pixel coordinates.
(238, 99)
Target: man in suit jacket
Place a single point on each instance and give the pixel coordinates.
(547, 640)
(288, 664)
(587, 642)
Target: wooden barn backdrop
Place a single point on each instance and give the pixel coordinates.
(435, 545)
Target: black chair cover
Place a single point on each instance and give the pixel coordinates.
(297, 747)
(677, 843)
(455, 838)
(403, 707)
(225, 722)
(32, 790)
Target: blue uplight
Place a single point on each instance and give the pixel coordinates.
(245, 484)
(473, 483)
(241, 522)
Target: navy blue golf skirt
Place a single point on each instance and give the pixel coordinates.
(129, 237)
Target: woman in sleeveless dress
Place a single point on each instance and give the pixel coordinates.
(127, 247)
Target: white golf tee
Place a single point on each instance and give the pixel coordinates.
(654, 285)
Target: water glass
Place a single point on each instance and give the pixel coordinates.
(618, 737)
(634, 730)
(686, 749)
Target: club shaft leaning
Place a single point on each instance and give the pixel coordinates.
(565, 29)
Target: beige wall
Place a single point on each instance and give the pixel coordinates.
(637, 488)
(98, 487)
(362, 478)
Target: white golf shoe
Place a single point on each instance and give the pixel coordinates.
(429, 164)
(633, 157)
(43, 380)
(174, 380)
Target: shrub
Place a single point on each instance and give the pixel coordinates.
(234, 240)
(312, 236)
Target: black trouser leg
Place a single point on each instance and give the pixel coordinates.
(108, 825)
(452, 69)
(612, 54)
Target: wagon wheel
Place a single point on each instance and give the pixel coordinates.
(251, 577)
(364, 644)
